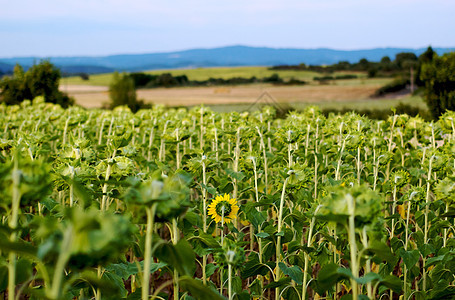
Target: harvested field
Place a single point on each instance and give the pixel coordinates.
(95, 96)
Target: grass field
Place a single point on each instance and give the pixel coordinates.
(206, 73)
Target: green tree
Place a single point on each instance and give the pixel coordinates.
(166, 80)
(43, 80)
(407, 61)
(40, 80)
(386, 60)
(403, 59)
(363, 64)
(13, 89)
(425, 57)
(343, 65)
(386, 64)
(123, 92)
(438, 75)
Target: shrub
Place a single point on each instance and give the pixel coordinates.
(346, 76)
(396, 85)
(123, 92)
(84, 76)
(40, 80)
(142, 79)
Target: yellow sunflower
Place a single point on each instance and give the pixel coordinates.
(226, 204)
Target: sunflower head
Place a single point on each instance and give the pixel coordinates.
(223, 208)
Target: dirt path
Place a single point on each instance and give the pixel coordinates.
(95, 96)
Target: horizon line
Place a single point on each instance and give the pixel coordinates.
(222, 47)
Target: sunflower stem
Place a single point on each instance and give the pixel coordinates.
(353, 246)
(148, 251)
(151, 138)
(222, 242)
(161, 154)
(15, 209)
(204, 218)
(201, 140)
(236, 167)
(175, 237)
(230, 282)
(307, 257)
(278, 243)
(405, 271)
(425, 232)
(100, 135)
(264, 157)
(222, 226)
(177, 150)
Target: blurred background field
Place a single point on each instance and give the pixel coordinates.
(333, 94)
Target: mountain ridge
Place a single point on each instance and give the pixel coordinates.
(228, 56)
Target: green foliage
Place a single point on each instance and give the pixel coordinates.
(427, 56)
(383, 114)
(438, 76)
(84, 76)
(96, 238)
(142, 79)
(168, 80)
(338, 77)
(386, 60)
(105, 203)
(366, 208)
(385, 68)
(40, 80)
(170, 192)
(123, 92)
(397, 85)
(404, 59)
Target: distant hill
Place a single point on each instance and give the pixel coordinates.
(216, 57)
(6, 68)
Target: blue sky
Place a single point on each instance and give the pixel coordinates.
(102, 27)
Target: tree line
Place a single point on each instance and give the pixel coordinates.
(386, 67)
(143, 80)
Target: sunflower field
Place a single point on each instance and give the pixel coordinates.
(193, 204)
